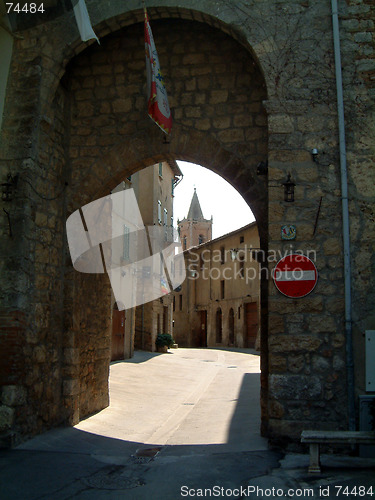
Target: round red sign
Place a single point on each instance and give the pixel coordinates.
(295, 275)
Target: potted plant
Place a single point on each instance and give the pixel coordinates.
(164, 341)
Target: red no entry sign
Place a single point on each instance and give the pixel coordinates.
(295, 275)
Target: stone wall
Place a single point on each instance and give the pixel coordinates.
(307, 337)
(358, 60)
(32, 284)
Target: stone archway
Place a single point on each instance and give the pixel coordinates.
(219, 123)
(41, 142)
(125, 159)
(95, 132)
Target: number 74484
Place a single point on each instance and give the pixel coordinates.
(31, 8)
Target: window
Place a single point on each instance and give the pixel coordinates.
(174, 303)
(242, 265)
(219, 327)
(200, 239)
(165, 217)
(222, 255)
(222, 289)
(159, 211)
(180, 302)
(231, 326)
(161, 169)
(184, 243)
(242, 239)
(126, 249)
(239, 312)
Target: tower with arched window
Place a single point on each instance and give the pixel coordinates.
(195, 230)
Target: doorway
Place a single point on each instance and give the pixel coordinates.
(231, 327)
(165, 319)
(203, 337)
(219, 326)
(251, 324)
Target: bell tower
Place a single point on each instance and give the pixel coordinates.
(194, 229)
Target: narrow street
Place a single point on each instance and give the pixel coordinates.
(188, 418)
(187, 397)
(180, 425)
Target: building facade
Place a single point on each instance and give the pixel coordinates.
(154, 189)
(137, 327)
(218, 304)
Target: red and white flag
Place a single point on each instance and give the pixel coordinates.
(157, 104)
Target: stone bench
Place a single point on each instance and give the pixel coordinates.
(315, 438)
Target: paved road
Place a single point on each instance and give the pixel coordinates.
(186, 397)
(180, 425)
(186, 419)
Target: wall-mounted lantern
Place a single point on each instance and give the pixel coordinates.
(288, 189)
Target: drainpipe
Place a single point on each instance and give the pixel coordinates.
(345, 219)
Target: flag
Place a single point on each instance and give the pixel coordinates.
(157, 99)
(163, 286)
(83, 21)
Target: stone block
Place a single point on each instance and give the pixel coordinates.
(332, 246)
(290, 429)
(222, 122)
(320, 364)
(275, 324)
(122, 105)
(6, 418)
(277, 363)
(13, 395)
(285, 305)
(70, 387)
(191, 84)
(296, 363)
(280, 124)
(323, 323)
(294, 387)
(218, 96)
(39, 354)
(71, 356)
(193, 111)
(275, 409)
(363, 37)
(197, 58)
(294, 343)
(338, 363)
(41, 219)
(204, 124)
(231, 135)
(338, 340)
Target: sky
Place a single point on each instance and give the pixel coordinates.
(216, 197)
